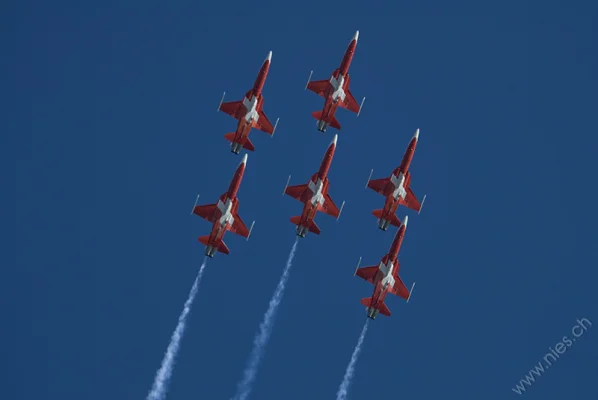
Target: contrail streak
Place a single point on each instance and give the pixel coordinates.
(160, 385)
(261, 339)
(344, 387)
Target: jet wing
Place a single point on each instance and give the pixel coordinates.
(410, 201)
(296, 191)
(329, 207)
(239, 226)
(350, 103)
(207, 212)
(231, 107)
(319, 87)
(263, 124)
(399, 288)
(378, 185)
(367, 273)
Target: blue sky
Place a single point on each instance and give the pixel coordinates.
(110, 130)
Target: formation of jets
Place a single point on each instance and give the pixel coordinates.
(314, 195)
(385, 276)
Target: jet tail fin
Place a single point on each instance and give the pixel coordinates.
(384, 309)
(367, 302)
(204, 240)
(333, 121)
(312, 227)
(220, 246)
(393, 219)
(246, 143)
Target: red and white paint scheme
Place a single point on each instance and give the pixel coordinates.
(385, 278)
(396, 189)
(224, 215)
(335, 91)
(315, 196)
(249, 112)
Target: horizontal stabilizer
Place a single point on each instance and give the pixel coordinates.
(384, 310)
(246, 143)
(312, 227)
(220, 246)
(333, 121)
(393, 219)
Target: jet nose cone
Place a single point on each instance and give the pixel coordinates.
(416, 135)
(356, 37)
(334, 139)
(405, 221)
(244, 160)
(269, 58)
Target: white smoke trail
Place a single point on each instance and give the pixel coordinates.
(344, 387)
(160, 385)
(261, 339)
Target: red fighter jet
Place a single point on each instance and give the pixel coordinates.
(335, 91)
(315, 196)
(385, 278)
(224, 215)
(396, 189)
(249, 112)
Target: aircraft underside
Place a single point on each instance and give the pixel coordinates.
(383, 224)
(372, 312)
(301, 231)
(322, 125)
(210, 251)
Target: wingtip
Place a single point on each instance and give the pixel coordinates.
(405, 221)
(269, 58)
(356, 37)
(416, 135)
(244, 160)
(334, 139)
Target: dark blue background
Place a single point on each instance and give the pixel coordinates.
(109, 130)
